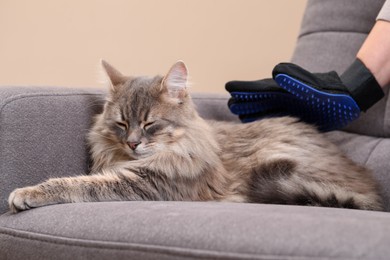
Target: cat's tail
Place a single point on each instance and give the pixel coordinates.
(279, 182)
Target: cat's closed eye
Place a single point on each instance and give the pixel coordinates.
(148, 125)
(122, 125)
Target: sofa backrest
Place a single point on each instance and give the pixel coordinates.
(331, 34)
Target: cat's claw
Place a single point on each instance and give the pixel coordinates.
(24, 199)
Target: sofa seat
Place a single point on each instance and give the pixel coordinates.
(193, 230)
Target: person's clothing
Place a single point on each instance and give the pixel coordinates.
(384, 14)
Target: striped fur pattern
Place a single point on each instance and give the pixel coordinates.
(149, 143)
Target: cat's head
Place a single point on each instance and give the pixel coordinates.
(145, 115)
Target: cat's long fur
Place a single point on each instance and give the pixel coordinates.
(180, 156)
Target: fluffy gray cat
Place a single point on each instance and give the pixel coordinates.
(149, 143)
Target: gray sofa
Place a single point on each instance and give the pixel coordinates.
(42, 135)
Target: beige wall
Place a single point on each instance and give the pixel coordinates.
(46, 42)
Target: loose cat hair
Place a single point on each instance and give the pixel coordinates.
(149, 143)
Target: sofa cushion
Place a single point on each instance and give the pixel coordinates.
(340, 16)
(190, 230)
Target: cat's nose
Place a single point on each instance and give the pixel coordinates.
(133, 145)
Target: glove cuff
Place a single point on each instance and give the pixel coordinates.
(362, 85)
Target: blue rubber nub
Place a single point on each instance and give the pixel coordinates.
(256, 96)
(328, 111)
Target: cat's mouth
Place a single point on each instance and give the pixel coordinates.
(139, 153)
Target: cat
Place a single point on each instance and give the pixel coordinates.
(149, 143)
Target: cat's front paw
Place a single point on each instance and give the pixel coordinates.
(26, 198)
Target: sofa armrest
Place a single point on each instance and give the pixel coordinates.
(42, 134)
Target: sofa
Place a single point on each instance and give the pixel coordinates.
(43, 135)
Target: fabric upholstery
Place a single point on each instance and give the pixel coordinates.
(189, 230)
(340, 16)
(42, 135)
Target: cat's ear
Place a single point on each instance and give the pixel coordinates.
(175, 82)
(113, 76)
